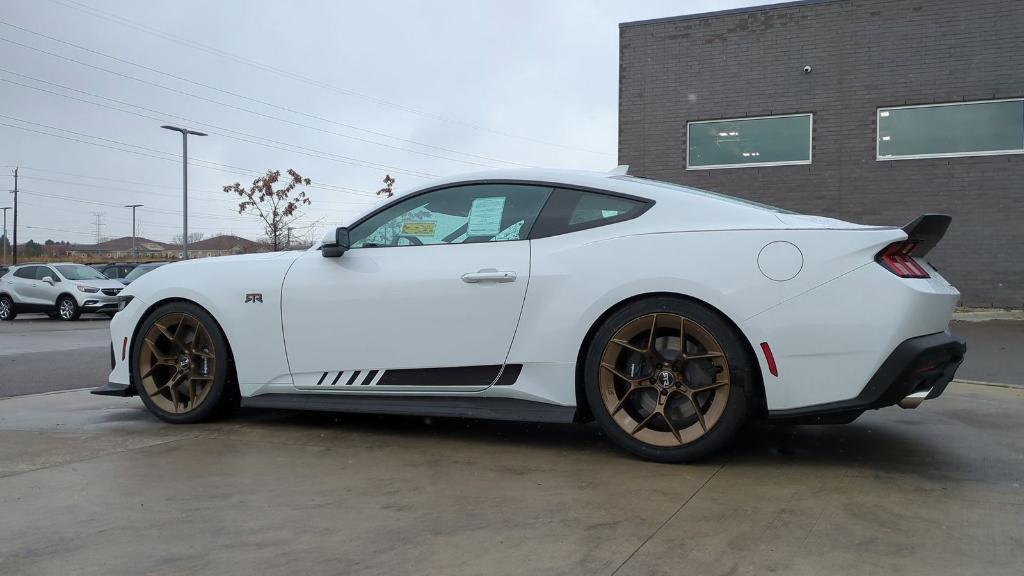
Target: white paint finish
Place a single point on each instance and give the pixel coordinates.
(220, 285)
(780, 261)
(408, 307)
(830, 341)
(403, 307)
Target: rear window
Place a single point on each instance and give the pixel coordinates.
(699, 192)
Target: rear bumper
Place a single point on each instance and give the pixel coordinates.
(917, 370)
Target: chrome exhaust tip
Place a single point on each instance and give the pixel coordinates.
(915, 399)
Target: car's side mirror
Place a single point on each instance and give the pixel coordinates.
(48, 280)
(337, 247)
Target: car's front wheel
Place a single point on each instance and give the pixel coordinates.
(67, 308)
(180, 364)
(669, 379)
(7, 311)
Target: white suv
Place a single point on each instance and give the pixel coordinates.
(60, 290)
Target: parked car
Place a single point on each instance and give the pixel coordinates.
(668, 314)
(3, 270)
(115, 270)
(63, 290)
(139, 270)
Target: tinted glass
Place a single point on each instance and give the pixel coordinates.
(951, 130)
(594, 207)
(140, 270)
(461, 214)
(79, 272)
(726, 143)
(28, 272)
(44, 271)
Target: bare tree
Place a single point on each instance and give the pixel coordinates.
(277, 208)
(387, 191)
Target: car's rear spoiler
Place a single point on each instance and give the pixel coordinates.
(926, 231)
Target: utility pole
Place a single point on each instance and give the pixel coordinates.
(5, 241)
(98, 222)
(14, 246)
(184, 184)
(133, 207)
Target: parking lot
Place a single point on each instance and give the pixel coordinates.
(96, 485)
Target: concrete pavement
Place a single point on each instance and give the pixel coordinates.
(38, 354)
(94, 485)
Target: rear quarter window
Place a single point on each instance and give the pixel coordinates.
(571, 210)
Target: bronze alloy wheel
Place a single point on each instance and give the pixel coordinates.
(177, 363)
(664, 379)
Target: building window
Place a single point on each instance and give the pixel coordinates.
(743, 142)
(954, 129)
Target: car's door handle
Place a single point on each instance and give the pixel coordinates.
(489, 275)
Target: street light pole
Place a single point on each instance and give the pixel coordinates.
(184, 184)
(14, 246)
(133, 207)
(3, 245)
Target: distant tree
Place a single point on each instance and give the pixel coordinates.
(31, 249)
(193, 237)
(277, 208)
(386, 191)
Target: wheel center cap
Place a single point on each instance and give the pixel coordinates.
(666, 379)
(184, 362)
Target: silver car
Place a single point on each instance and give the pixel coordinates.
(63, 290)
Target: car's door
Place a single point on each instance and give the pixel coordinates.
(22, 282)
(427, 298)
(47, 290)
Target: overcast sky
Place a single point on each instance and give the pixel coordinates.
(343, 92)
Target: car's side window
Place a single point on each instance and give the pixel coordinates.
(571, 210)
(44, 271)
(455, 215)
(27, 273)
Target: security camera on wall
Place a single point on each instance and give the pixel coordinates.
(807, 69)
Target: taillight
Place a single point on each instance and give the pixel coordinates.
(896, 258)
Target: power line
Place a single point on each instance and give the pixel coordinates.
(97, 13)
(161, 155)
(315, 153)
(272, 105)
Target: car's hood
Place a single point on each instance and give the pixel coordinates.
(104, 283)
(200, 272)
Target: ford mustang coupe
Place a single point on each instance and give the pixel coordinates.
(669, 315)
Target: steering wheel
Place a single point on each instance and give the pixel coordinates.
(412, 240)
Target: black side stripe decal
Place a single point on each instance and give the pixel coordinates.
(353, 378)
(336, 378)
(321, 381)
(369, 377)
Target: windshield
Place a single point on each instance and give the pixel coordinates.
(140, 270)
(79, 272)
(699, 192)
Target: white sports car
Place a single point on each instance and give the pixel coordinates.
(669, 315)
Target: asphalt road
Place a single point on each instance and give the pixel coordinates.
(38, 354)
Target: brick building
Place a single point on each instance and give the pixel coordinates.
(872, 111)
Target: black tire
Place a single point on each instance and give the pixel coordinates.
(7, 311)
(222, 395)
(53, 315)
(742, 375)
(67, 309)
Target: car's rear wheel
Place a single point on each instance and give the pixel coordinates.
(180, 364)
(668, 379)
(67, 308)
(7, 311)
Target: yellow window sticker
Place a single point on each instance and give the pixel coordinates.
(419, 228)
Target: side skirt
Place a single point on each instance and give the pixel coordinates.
(438, 406)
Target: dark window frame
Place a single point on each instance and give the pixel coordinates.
(810, 143)
(554, 217)
(556, 187)
(23, 269)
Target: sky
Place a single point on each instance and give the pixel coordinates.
(342, 92)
